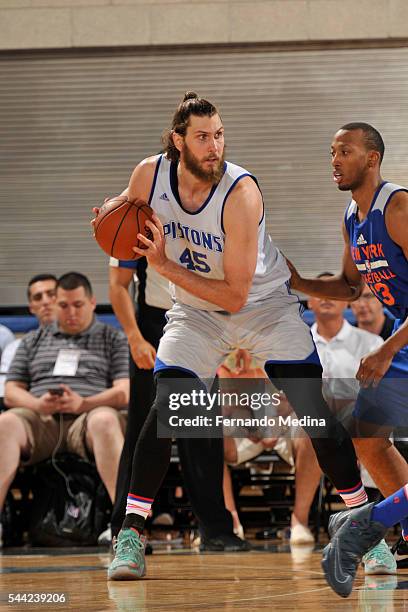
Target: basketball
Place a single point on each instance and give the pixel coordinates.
(117, 225)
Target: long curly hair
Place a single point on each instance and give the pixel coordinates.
(191, 104)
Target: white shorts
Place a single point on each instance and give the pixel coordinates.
(198, 341)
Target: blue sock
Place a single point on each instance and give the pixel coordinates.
(404, 527)
(393, 509)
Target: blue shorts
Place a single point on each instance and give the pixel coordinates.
(387, 404)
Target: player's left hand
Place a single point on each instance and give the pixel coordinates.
(154, 252)
(71, 401)
(373, 367)
(294, 274)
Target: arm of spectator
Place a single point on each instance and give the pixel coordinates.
(143, 352)
(16, 395)
(116, 396)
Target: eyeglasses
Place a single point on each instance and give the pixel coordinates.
(367, 297)
(37, 297)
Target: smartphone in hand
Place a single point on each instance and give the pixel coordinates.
(56, 391)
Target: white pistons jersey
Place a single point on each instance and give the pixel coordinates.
(196, 239)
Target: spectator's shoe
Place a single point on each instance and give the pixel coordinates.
(163, 519)
(358, 534)
(400, 552)
(380, 560)
(129, 562)
(224, 543)
(301, 534)
(105, 538)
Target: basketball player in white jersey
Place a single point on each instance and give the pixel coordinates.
(229, 285)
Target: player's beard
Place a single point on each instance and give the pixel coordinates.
(194, 165)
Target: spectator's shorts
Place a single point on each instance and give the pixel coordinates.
(46, 433)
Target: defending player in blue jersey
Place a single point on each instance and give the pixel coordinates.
(376, 252)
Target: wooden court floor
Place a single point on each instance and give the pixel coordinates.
(260, 580)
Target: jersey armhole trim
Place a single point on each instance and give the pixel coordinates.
(156, 172)
(228, 193)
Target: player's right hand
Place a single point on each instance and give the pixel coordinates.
(143, 353)
(96, 210)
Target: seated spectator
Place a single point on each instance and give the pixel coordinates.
(41, 294)
(65, 388)
(370, 315)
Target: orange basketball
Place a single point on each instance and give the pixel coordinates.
(117, 225)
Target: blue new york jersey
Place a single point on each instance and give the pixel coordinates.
(380, 261)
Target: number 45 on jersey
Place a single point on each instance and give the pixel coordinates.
(194, 261)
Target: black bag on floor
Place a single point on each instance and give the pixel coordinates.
(70, 503)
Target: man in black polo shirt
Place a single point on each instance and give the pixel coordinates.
(65, 388)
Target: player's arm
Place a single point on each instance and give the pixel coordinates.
(143, 352)
(140, 183)
(242, 213)
(345, 286)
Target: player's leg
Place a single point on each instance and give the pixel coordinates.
(140, 401)
(385, 464)
(301, 382)
(150, 463)
(362, 529)
(284, 342)
(185, 352)
(204, 485)
(151, 322)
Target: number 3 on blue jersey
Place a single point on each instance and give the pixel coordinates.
(194, 261)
